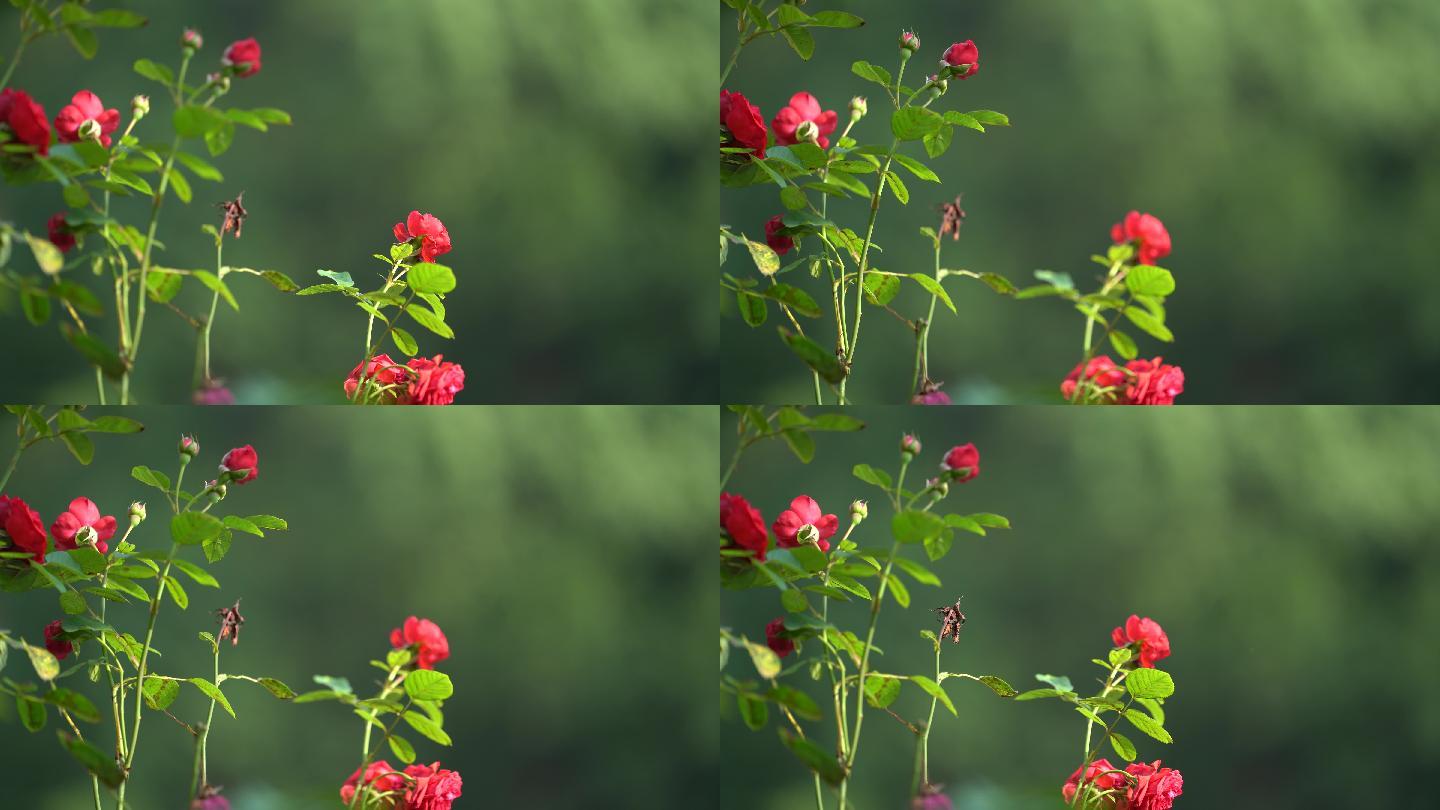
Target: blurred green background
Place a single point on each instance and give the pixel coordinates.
(1289, 553)
(1290, 146)
(557, 139)
(546, 542)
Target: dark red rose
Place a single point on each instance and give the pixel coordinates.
(381, 371)
(1101, 371)
(744, 524)
(434, 382)
(82, 512)
(434, 238)
(1148, 234)
(963, 460)
(777, 241)
(23, 524)
(432, 787)
(1152, 382)
(242, 458)
(431, 645)
(1096, 776)
(743, 120)
(381, 776)
(57, 646)
(963, 53)
(781, 646)
(59, 233)
(86, 106)
(242, 56)
(26, 119)
(803, 107)
(804, 511)
(1155, 787)
(1153, 642)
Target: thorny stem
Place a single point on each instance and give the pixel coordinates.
(922, 775)
(202, 359)
(201, 775)
(922, 339)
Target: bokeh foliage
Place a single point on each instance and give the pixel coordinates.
(555, 139)
(1289, 147)
(542, 540)
(1289, 553)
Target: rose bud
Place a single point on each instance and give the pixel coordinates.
(859, 510)
(240, 465)
(938, 85)
(858, 108)
(220, 81)
(139, 107)
(909, 43)
(188, 448)
(961, 59)
(807, 132)
(939, 486)
(243, 57)
(217, 491)
(191, 40)
(909, 447)
(137, 514)
(962, 463)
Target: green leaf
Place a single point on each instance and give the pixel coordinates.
(935, 691)
(218, 285)
(881, 691)
(163, 287)
(823, 361)
(881, 289)
(917, 572)
(752, 710)
(89, 560)
(271, 115)
(75, 194)
(430, 321)
(1145, 279)
(341, 279)
(115, 424)
(47, 256)
(277, 688)
(917, 168)
(998, 685)
(814, 757)
(793, 198)
(403, 750)
(795, 298)
(269, 522)
(871, 475)
(213, 692)
(767, 261)
(914, 526)
(193, 121)
(430, 729)
(990, 118)
(1149, 683)
(800, 444)
(836, 19)
(960, 119)
(1123, 747)
(800, 40)
(180, 185)
(873, 73)
(72, 603)
(154, 478)
(766, 662)
(194, 528)
(199, 167)
(95, 352)
(196, 573)
(79, 446)
(1149, 324)
(933, 287)
(217, 547)
(1059, 682)
(799, 703)
(97, 762)
(897, 188)
(1123, 344)
(752, 307)
(404, 342)
(155, 71)
(75, 703)
(914, 123)
(84, 40)
(1036, 694)
(1148, 725)
(431, 278)
(937, 142)
(427, 684)
(177, 593)
(898, 591)
(793, 601)
(32, 712)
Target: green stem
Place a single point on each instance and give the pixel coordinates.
(14, 460)
(922, 355)
(865, 668)
(202, 358)
(370, 346)
(201, 772)
(15, 60)
(923, 776)
(140, 671)
(364, 787)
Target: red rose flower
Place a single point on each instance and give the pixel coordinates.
(1155, 787)
(435, 382)
(1096, 776)
(930, 394)
(743, 119)
(26, 119)
(965, 460)
(23, 524)
(1147, 232)
(803, 107)
(381, 371)
(963, 53)
(242, 458)
(804, 511)
(777, 241)
(59, 233)
(380, 776)
(1154, 644)
(432, 788)
(744, 524)
(213, 393)
(434, 238)
(57, 646)
(211, 801)
(930, 797)
(85, 106)
(431, 645)
(82, 512)
(781, 646)
(243, 56)
(1101, 371)
(1153, 382)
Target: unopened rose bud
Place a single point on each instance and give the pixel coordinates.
(188, 448)
(808, 535)
(807, 132)
(858, 108)
(938, 85)
(219, 80)
(939, 486)
(86, 536)
(89, 130)
(140, 107)
(859, 510)
(909, 447)
(191, 40)
(909, 43)
(217, 490)
(137, 514)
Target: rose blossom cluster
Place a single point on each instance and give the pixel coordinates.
(805, 523)
(1146, 637)
(418, 787)
(425, 230)
(1146, 233)
(424, 638)
(1138, 382)
(421, 381)
(1138, 787)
